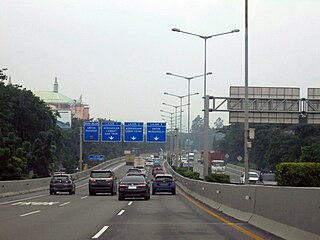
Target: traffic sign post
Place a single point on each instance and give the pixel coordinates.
(111, 131)
(91, 132)
(133, 132)
(156, 132)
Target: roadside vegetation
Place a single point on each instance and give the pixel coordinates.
(31, 143)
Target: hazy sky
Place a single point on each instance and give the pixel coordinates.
(116, 53)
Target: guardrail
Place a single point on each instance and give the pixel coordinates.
(8, 188)
(288, 212)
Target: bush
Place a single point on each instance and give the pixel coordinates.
(188, 174)
(306, 174)
(220, 178)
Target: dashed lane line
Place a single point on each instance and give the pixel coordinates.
(98, 234)
(121, 212)
(63, 204)
(27, 214)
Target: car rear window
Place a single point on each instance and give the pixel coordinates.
(162, 178)
(100, 174)
(60, 178)
(133, 179)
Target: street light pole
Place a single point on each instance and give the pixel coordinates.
(189, 102)
(176, 107)
(206, 98)
(246, 107)
(181, 97)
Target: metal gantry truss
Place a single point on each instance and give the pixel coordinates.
(269, 110)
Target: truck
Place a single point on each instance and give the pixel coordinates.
(129, 157)
(217, 162)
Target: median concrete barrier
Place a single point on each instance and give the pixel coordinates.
(288, 212)
(8, 188)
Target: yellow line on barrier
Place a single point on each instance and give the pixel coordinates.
(233, 225)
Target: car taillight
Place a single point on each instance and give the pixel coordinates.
(109, 180)
(123, 186)
(92, 180)
(142, 186)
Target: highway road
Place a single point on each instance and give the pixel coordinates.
(42, 216)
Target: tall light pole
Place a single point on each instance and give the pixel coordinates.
(246, 105)
(206, 98)
(189, 104)
(181, 97)
(176, 110)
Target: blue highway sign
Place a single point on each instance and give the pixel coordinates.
(96, 157)
(156, 132)
(133, 132)
(91, 131)
(111, 131)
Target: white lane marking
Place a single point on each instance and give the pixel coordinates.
(35, 203)
(129, 203)
(63, 204)
(19, 200)
(98, 234)
(80, 186)
(84, 197)
(120, 213)
(26, 214)
(119, 166)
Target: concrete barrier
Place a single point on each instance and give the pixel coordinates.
(8, 188)
(288, 212)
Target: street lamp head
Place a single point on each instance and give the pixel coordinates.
(168, 73)
(209, 73)
(235, 30)
(165, 93)
(175, 29)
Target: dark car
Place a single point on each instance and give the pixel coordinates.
(134, 186)
(62, 183)
(158, 171)
(163, 183)
(133, 171)
(102, 181)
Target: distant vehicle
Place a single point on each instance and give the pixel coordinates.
(142, 170)
(133, 171)
(102, 181)
(62, 183)
(149, 163)
(218, 166)
(133, 186)
(253, 178)
(158, 170)
(163, 183)
(268, 178)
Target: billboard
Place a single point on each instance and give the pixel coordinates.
(313, 106)
(266, 105)
(64, 119)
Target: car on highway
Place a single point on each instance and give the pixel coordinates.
(102, 181)
(157, 170)
(133, 171)
(133, 186)
(253, 178)
(149, 163)
(142, 170)
(268, 178)
(163, 183)
(62, 183)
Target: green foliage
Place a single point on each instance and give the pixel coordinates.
(188, 174)
(298, 174)
(220, 178)
(273, 144)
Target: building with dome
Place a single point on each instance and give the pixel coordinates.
(67, 107)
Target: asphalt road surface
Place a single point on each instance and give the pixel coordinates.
(42, 216)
